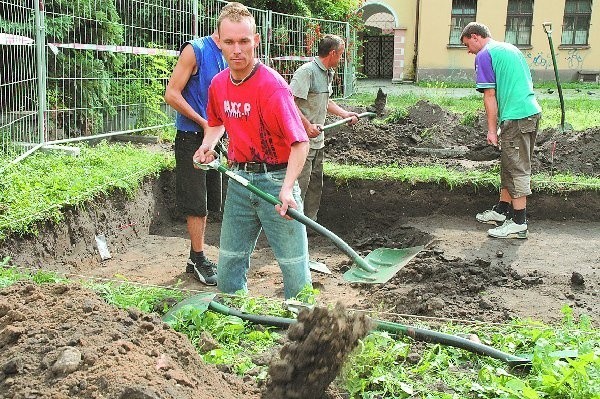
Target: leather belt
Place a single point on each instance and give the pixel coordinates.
(258, 167)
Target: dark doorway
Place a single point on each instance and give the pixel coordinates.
(378, 56)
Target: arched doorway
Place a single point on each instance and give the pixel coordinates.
(379, 58)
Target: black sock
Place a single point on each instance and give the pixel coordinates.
(502, 208)
(196, 255)
(520, 216)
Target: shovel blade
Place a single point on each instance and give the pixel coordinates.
(387, 261)
(199, 302)
(318, 267)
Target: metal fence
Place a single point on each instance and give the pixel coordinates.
(75, 69)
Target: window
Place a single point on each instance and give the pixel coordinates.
(463, 12)
(576, 23)
(519, 16)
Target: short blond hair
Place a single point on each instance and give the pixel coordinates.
(236, 12)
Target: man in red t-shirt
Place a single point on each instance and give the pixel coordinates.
(268, 146)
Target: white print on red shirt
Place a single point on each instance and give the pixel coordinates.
(236, 110)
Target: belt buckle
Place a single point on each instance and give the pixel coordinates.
(252, 167)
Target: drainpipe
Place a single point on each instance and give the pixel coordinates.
(417, 28)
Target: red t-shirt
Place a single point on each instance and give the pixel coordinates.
(260, 116)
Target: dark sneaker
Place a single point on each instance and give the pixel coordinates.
(203, 270)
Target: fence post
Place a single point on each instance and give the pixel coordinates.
(267, 37)
(348, 75)
(195, 24)
(40, 49)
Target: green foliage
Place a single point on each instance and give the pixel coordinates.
(42, 185)
(10, 275)
(380, 366)
(127, 295)
(469, 118)
(397, 115)
(237, 340)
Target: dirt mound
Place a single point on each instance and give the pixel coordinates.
(429, 134)
(434, 284)
(319, 344)
(575, 152)
(64, 341)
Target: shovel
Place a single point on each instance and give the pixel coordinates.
(377, 268)
(564, 126)
(370, 115)
(204, 301)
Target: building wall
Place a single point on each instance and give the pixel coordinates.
(437, 60)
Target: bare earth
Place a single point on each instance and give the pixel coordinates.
(461, 274)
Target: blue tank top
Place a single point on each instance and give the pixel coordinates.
(209, 62)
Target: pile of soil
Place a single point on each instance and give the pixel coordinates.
(430, 134)
(64, 341)
(318, 346)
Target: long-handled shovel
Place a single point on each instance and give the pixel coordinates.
(378, 267)
(564, 126)
(204, 301)
(369, 115)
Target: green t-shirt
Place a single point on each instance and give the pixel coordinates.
(501, 66)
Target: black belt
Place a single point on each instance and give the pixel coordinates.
(258, 167)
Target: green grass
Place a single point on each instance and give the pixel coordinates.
(437, 174)
(549, 84)
(580, 113)
(41, 186)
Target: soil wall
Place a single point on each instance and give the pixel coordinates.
(121, 219)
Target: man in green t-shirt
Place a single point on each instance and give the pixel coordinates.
(504, 78)
(311, 87)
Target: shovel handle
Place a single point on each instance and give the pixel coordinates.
(547, 27)
(299, 216)
(348, 119)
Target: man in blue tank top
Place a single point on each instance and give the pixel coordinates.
(187, 92)
(504, 78)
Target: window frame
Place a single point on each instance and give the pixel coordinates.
(463, 12)
(575, 19)
(519, 15)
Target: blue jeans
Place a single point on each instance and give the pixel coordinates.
(244, 216)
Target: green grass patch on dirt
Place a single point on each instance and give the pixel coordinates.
(438, 174)
(41, 186)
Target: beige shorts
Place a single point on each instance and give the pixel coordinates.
(517, 140)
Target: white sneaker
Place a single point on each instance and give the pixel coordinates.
(509, 230)
(490, 216)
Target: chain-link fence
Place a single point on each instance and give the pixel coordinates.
(74, 69)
